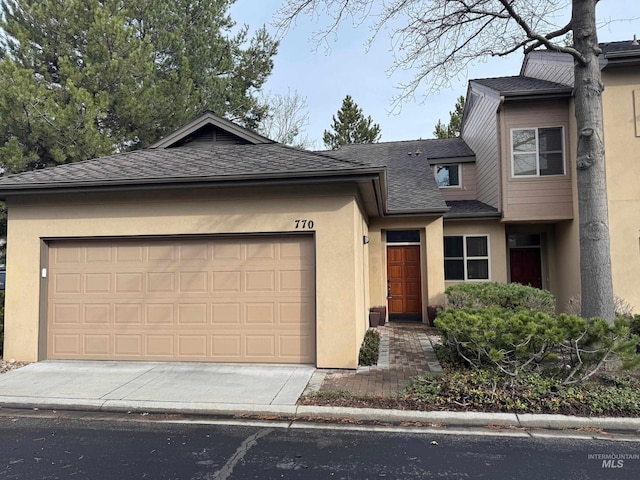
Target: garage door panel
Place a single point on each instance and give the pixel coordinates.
(226, 313)
(160, 346)
(260, 281)
(192, 314)
(129, 345)
(163, 282)
(259, 313)
(194, 253)
(193, 282)
(232, 299)
(96, 314)
(130, 254)
(128, 313)
(65, 314)
(67, 283)
(226, 281)
(129, 283)
(97, 344)
(68, 255)
(99, 254)
(192, 346)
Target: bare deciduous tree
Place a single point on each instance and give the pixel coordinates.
(438, 39)
(286, 119)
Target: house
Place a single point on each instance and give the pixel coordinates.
(522, 131)
(217, 244)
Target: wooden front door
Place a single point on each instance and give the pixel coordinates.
(403, 281)
(526, 266)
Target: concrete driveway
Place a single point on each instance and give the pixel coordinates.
(155, 386)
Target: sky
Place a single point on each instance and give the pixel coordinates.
(324, 74)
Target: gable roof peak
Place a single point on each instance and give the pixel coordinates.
(206, 120)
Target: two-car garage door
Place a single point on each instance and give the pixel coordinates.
(240, 299)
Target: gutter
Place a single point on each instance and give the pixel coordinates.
(627, 57)
(196, 182)
(467, 216)
(538, 94)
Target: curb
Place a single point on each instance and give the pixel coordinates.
(310, 413)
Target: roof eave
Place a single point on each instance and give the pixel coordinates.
(153, 183)
(624, 58)
(471, 216)
(538, 94)
(459, 159)
(417, 212)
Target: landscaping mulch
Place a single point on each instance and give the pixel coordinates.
(7, 366)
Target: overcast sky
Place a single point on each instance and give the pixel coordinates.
(326, 75)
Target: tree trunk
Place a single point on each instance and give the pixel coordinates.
(595, 256)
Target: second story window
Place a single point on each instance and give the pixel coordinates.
(537, 151)
(447, 175)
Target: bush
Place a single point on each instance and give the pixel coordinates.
(567, 347)
(511, 296)
(491, 390)
(369, 349)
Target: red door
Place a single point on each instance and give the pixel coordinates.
(526, 266)
(403, 277)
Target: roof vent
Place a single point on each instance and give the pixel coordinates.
(635, 41)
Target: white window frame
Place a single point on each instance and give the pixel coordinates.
(537, 152)
(435, 174)
(465, 257)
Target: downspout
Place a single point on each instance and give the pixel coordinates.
(500, 172)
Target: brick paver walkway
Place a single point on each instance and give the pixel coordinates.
(405, 351)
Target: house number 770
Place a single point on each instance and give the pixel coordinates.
(304, 224)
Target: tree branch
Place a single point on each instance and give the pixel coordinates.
(541, 39)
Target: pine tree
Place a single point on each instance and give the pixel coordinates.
(452, 129)
(351, 126)
(85, 78)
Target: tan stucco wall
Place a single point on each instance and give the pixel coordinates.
(497, 244)
(622, 147)
(338, 227)
(431, 255)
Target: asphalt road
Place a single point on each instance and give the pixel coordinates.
(72, 448)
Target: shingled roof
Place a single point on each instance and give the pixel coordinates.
(432, 149)
(521, 85)
(411, 185)
(470, 209)
(185, 164)
(624, 46)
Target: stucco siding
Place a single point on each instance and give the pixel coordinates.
(481, 134)
(431, 254)
(497, 244)
(333, 210)
(622, 147)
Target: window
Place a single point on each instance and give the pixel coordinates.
(466, 257)
(537, 151)
(403, 236)
(447, 175)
